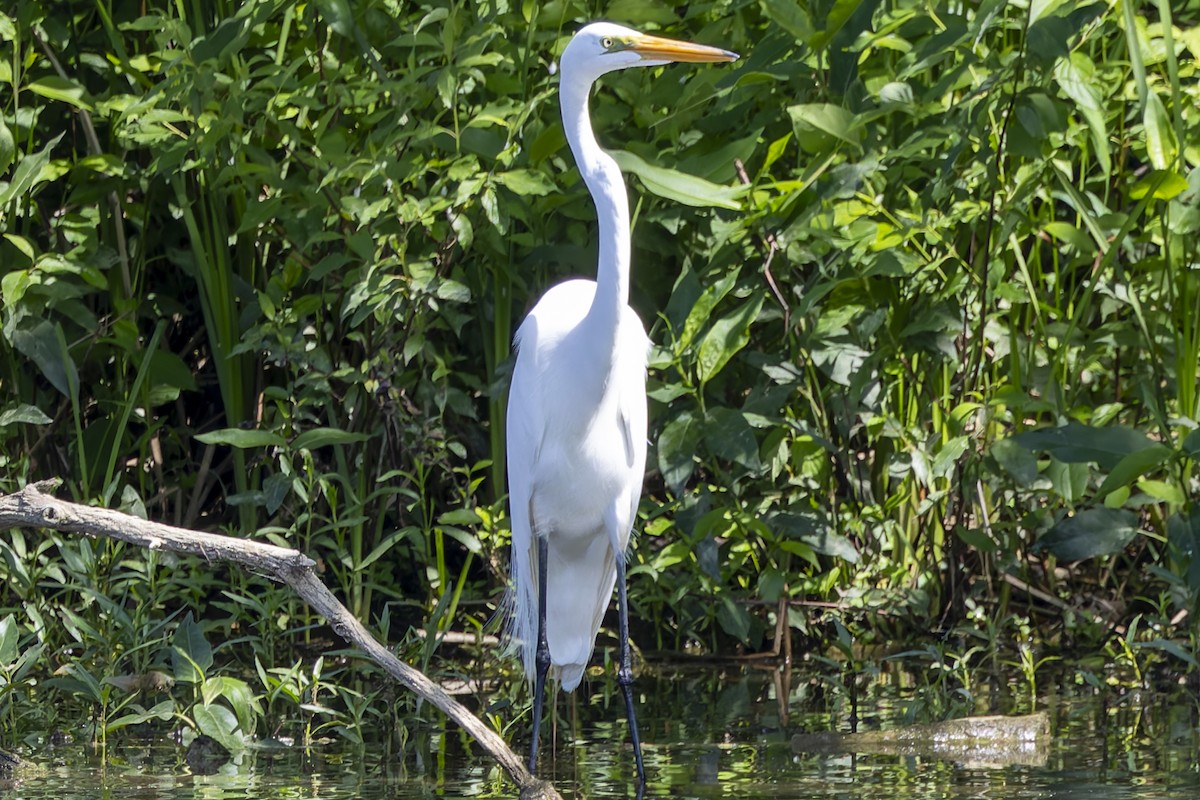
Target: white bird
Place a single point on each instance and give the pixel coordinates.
(577, 410)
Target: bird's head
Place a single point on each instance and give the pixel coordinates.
(604, 47)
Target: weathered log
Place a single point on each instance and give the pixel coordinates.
(33, 508)
(972, 740)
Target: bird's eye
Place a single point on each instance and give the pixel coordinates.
(606, 43)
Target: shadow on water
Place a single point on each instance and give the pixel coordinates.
(707, 733)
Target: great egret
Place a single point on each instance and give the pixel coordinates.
(577, 410)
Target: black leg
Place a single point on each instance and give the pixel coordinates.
(625, 670)
(542, 655)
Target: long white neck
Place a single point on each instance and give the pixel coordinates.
(604, 181)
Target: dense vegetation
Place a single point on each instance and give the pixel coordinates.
(922, 282)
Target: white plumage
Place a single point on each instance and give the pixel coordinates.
(576, 423)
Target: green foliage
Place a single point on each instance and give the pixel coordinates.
(922, 283)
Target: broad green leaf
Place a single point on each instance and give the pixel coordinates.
(1160, 138)
(275, 491)
(1135, 465)
(1077, 79)
(678, 186)
(24, 414)
(238, 694)
(725, 338)
(1072, 235)
(1162, 491)
(339, 16)
(1039, 9)
(163, 711)
(1090, 533)
(817, 534)
(771, 583)
(677, 450)
(243, 439)
(838, 16)
(219, 723)
(636, 13)
(1191, 444)
(460, 516)
(1168, 646)
(9, 639)
(1017, 460)
(819, 126)
(8, 147)
(323, 437)
(42, 344)
(791, 17)
(526, 182)
(28, 170)
(1078, 443)
(58, 88)
(467, 539)
(1068, 479)
(734, 618)
(702, 309)
(728, 435)
(192, 655)
(1163, 184)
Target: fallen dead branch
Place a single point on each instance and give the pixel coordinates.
(33, 508)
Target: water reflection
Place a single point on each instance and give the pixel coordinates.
(707, 734)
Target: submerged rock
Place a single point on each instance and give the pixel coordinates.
(972, 741)
(205, 755)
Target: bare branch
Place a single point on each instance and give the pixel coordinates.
(32, 508)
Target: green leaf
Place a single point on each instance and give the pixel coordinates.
(677, 450)
(238, 694)
(527, 182)
(9, 639)
(276, 489)
(734, 619)
(1017, 460)
(162, 712)
(1090, 533)
(29, 170)
(1162, 184)
(790, 16)
(41, 345)
(1077, 443)
(58, 88)
(1072, 235)
(729, 436)
(680, 187)
(8, 147)
(1160, 137)
(1168, 646)
(243, 439)
(323, 437)
(1162, 491)
(1135, 465)
(219, 723)
(1076, 77)
(637, 13)
(838, 16)
(702, 308)
(230, 36)
(460, 516)
(24, 414)
(1191, 444)
(192, 655)
(725, 338)
(820, 126)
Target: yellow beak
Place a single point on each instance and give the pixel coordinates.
(656, 48)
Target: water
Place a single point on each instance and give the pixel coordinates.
(707, 735)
